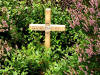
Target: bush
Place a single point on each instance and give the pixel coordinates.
(36, 60)
(86, 18)
(63, 57)
(17, 15)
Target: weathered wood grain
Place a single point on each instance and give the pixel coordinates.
(47, 27)
(41, 27)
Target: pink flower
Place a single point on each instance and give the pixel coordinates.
(81, 68)
(71, 25)
(98, 51)
(17, 7)
(81, 55)
(80, 59)
(86, 67)
(86, 10)
(98, 14)
(96, 3)
(95, 29)
(6, 30)
(71, 73)
(89, 52)
(92, 3)
(91, 40)
(98, 35)
(92, 22)
(92, 71)
(77, 21)
(79, 5)
(85, 72)
(7, 49)
(4, 23)
(2, 30)
(74, 22)
(80, 16)
(74, 0)
(86, 29)
(91, 17)
(92, 11)
(80, 0)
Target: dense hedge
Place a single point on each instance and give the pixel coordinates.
(18, 15)
(24, 52)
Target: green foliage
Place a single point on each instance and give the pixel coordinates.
(36, 60)
(32, 58)
(82, 19)
(22, 14)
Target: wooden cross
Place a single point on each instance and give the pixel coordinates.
(47, 27)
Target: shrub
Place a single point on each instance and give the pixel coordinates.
(86, 19)
(37, 60)
(17, 15)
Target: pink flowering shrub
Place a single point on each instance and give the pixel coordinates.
(14, 21)
(86, 18)
(4, 26)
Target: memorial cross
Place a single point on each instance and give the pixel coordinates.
(47, 27)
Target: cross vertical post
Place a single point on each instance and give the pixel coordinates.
(47, 27)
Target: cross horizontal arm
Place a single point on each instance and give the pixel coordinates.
(37, 27)
(41, 27)
(57, 27)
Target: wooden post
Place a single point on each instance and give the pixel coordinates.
(47, 27)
